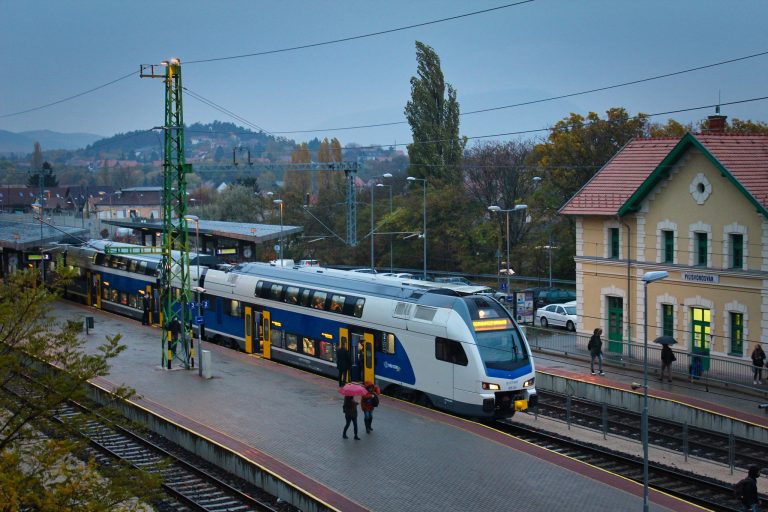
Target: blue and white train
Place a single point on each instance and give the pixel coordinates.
(464, 354)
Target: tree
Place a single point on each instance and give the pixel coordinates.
(434, 118)
(49, 178)
(236, 204)
(39, 472)
(37, 158)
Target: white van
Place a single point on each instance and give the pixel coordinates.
(282, 263)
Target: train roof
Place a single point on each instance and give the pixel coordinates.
(101, 245)
(342, 280)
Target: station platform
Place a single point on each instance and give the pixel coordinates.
(733, 402)
(290, 422)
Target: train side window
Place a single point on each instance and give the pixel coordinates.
(292, 295)
(388, 343)
(99, 260)
(114, 296)
(211, 303)
(358, 312)
(326, 351)
(107, 261)
(235, 309)
(450, 351)
(305, 296)
(132, 266)
(318, 300)
(291, 341)
(257, 289)
(276, 292)
(277, 337)
(308, 346)
(337, 303)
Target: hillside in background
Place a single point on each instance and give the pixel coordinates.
(23, 143)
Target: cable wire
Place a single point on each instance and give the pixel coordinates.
(361, 36)
(33, 109)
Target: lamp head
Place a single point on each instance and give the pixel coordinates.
(386, 175)
(657, 275)
(494, 208)
(520, 207)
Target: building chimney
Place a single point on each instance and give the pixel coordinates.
(716, 123)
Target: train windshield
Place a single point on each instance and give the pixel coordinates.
(502, 349)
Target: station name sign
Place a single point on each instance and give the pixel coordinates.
(693, 277)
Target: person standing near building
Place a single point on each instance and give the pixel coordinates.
(175, 329)
(667, 358)
(595, 347)
(758, 360)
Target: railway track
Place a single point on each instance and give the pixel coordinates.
(705, 492)
(718, 447)
(189, 483)
(191, 486)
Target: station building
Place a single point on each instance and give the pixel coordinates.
(696, 207)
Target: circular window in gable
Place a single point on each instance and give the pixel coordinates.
(700, 188)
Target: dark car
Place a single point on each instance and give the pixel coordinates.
(545, 296)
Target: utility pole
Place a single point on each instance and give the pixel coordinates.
(175, 247)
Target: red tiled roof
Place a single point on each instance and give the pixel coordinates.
(744, 156)
(610, 188)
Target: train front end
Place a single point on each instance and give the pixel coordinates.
(508, 377)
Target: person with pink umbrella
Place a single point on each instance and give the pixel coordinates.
(350, 391)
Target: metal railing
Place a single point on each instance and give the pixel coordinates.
(706, 369)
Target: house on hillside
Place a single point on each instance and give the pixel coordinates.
(696, 207)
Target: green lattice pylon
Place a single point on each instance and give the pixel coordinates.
(174, 268)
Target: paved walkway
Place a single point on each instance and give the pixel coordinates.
(416, 459)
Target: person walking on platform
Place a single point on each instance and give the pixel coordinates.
(758, 360)
(368, 404)
(746, 490)
(342, 363)
(175, 329)
(595, 347)
(145, 306)
(350, 414)
(667, 358)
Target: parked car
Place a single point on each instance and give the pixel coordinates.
(309, 263)
(399, 275)
(544, 296)
(558, 315)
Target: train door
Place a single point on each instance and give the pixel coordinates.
(148, 305)
(368, 373)
(266, 334)
(96, 291)
(344, 343)
(248, 329)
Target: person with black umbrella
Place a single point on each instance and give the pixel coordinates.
(667, 358)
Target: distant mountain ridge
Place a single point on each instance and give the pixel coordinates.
(23, 143)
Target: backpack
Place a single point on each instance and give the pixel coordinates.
(375, 400)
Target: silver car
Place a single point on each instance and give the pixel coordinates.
(559, 315)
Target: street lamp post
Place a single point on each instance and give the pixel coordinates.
(424, 230)
(648, 277)
(498, 209)
(373, 227)
(280, 247)
(198, 289)
(388, 175)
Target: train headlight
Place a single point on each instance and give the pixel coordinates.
(490, 386)
(529, 382)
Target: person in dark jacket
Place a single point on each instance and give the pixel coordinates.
(342, 363)
(667, 358)
(595, 347)
(758, 360)
(748, 490)
(145, 308)
(350, 415)
(175, 329)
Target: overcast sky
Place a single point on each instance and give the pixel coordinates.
(53, 49)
